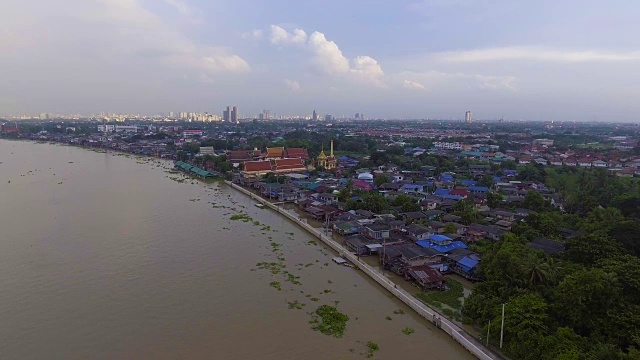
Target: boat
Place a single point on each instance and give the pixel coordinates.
(261, 206)
(340, 261)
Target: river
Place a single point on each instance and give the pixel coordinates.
(110, 256)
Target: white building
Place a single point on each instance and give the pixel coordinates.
(448, 145)
(106, 128)
(206, 150)
(126, 128)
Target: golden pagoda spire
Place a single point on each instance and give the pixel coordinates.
(322, 154)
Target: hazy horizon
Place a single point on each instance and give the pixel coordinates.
(569, 61)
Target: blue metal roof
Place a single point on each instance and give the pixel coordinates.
(467, 182)
(412, 186)
(467, 263)
(478, 188)
(442, 192)
(452, 197)
(439, 238)
(441, 248)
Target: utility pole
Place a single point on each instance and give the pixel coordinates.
(502, 327)
(488, 328)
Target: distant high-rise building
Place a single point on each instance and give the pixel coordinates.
(315, 116)
(265, 115)
(328, 117)
(467, 117)
(357, 117)
(234, 114)
(226, 114)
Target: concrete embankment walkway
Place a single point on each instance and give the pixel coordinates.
(456, 332)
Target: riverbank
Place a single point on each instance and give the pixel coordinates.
(453, 330)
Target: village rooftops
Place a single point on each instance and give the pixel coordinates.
(547, 245)
(377, 227)
(443, 249)
(408, 251)
(414, 215)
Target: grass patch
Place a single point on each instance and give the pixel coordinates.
(276, 285)
(274, 267)
(408, 331)
(388, 318)
(399, 312)
(329, 321)
(451, 297)
(241, 217)
(293, 279)
(295, 305)
(372, 348)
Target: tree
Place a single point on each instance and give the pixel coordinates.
(450, 229)
(584, 299)
(494, 199)
(591, 248)
(533, 200)
(486, 180)
(381, 179)
(525, 317)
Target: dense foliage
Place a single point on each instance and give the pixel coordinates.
(583, 303)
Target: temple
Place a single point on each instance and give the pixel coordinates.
(327, 162)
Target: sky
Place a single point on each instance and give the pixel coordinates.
(568, 60)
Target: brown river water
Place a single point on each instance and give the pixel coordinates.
(109, 256)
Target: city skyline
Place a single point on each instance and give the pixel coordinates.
(406, 59)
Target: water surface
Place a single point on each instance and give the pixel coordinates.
(106, 256)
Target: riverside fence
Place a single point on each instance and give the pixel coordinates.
(457, 333)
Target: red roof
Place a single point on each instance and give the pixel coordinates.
(288, 164)
(363, 185)
(239, 155)
(257, 166)
(461, 192)
(297, 153)
(275, 152)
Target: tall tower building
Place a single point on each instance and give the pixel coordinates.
(234, 114)
(226, 114)
(467, 117)
(315, 116)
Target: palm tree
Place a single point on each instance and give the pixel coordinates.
(539, 271)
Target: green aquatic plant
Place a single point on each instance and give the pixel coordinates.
(329, 321)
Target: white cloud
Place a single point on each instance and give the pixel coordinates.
(327, 56)
(293, 85)
(536, 54)
(182, 7)
(458, 81)
(142, 33)
(413, 85)
(281, 37)
(367, 68)
(254, 35)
